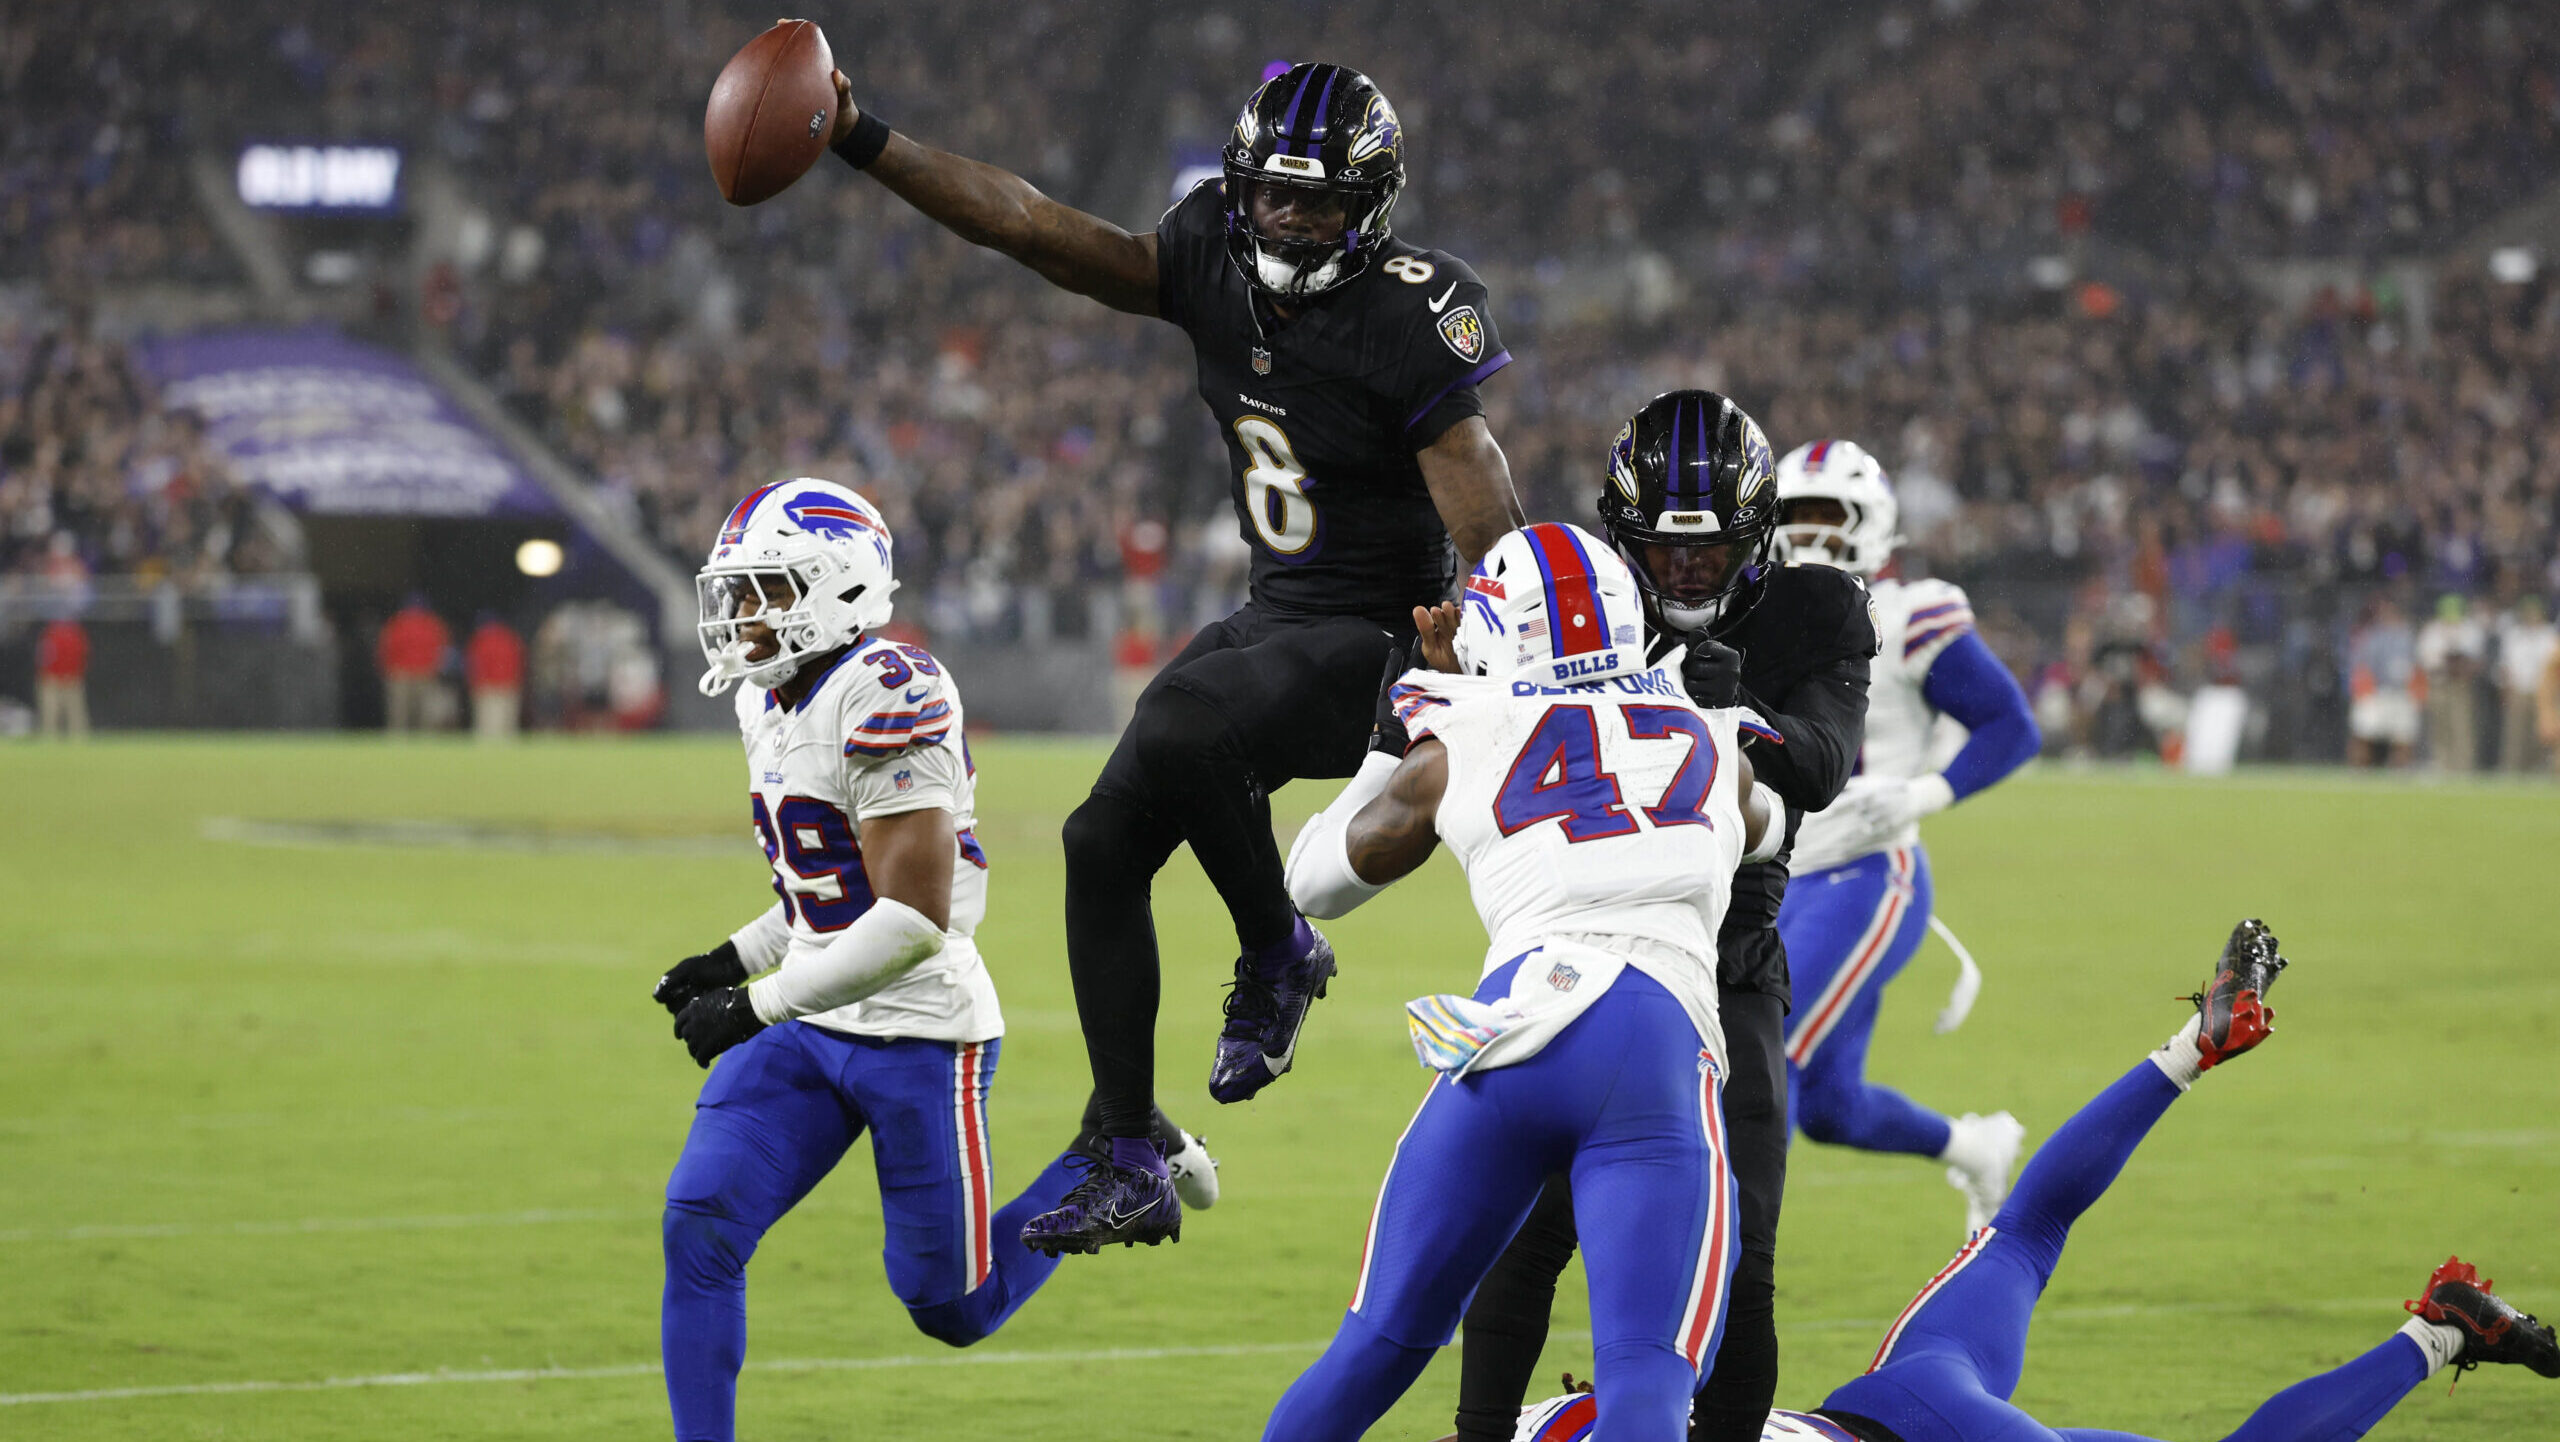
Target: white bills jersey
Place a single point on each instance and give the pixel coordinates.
(1597, 812)
(1915, 622)
(879, 734)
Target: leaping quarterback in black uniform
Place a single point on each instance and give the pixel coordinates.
(1343, 364)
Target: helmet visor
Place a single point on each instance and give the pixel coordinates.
(741, 610)
(1289, 216)
(1692, 573)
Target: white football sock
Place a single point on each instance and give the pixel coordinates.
(2178, 1058)
(1967, 1145)
(2441, 1341)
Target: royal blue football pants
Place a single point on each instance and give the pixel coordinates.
(776, 1115)
(1849, 930)
(1950, 1361)
(1626, 1100)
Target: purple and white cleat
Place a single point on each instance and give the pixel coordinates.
(1265, 1009)
(1127, 1198)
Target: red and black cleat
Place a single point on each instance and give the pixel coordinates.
(2492, 1331)
(2234, 1004)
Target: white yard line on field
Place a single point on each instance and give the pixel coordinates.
(2380, 1309)
(307, 1225)
(650, 1369)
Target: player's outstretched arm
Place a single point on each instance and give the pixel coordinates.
(988, 206)
(1379, 829)
(1396, 831)
(1470, 482)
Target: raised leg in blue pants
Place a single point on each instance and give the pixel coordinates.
(1950, 1362)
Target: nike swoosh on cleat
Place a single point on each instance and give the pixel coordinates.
(1438, 305)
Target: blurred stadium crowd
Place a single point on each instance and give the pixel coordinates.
(2008, 245)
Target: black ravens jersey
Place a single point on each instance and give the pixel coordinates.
(1323, 412)
(1805, 649)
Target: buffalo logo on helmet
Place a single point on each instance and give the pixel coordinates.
(1464, 333)
(824, 515)
(1380, 132)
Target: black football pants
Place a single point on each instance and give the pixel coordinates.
(1506, 1325)
(1252, 703)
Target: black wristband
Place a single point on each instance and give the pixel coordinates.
(727, 951)
(864, 142)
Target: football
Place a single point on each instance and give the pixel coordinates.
(770, 112)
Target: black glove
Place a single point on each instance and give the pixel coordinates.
(695, 975)
(717, 1021)
(1386, 731)
(1712, 673)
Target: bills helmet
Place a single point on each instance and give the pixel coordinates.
(1841, 473)
(1568, 1418)
(1327, 131)
(1689, 504)
(1550, 604)
(805, 561)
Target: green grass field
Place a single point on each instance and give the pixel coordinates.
(282, 1111)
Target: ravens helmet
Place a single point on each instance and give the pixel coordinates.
(1323, 150)
(1691, 501)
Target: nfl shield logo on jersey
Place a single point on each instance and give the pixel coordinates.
(1464, 333)
(1563, 977)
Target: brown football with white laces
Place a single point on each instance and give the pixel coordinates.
(770, 112)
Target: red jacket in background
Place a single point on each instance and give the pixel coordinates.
(495, 658)
(62, 652)
(413, 643)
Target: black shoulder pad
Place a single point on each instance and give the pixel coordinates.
(1820, 609)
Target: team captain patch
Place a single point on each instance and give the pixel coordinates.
(1464, 333)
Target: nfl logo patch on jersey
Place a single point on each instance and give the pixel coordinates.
(904, 780)
(1563, 977)
(1464, 333)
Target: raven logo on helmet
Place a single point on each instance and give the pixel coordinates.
(1380, 132)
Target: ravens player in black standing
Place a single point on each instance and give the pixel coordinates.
(1691, 501)
(1342, 364)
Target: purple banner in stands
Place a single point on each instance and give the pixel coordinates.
(334, 427)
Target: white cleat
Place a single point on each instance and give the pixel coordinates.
(1195, 1173)
(1982, 1153)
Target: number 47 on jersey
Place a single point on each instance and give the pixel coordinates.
(1559, 773)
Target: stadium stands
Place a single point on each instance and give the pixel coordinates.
(2019, 249)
